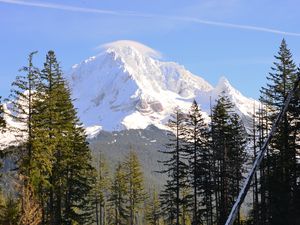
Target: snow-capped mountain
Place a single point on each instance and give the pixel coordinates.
(127, 86)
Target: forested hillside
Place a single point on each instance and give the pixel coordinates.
(189, 173)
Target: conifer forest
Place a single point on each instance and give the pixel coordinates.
(55, 178)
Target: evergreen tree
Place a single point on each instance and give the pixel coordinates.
(31, 213)
(101, 189)
(254, 215)
(237, 158)
(176, 167)
(198, 150)
(168, 208)
(21, 107)
(228, 143)
(80, 179)
(48, 140)
(2, 121)
(10, 212)
(2, 128)
(283, 167)
(135, 186)
(153, 209)
(118, 196)
(61, 156)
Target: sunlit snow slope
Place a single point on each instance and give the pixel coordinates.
(126, 86)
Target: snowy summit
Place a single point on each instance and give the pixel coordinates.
(128, 86)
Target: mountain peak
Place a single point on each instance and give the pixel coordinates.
(127, 47)
(224, 86)
(126, 87)
(223, 81)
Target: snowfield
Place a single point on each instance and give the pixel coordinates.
(128, 86)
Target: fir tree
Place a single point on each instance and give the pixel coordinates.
(61, 156)
(228, 143)
(2, 129)
(153, 209)
(118, 196)
(31, 213)
(199, 156)
(168, 208)
(10, 211)
(176, 167)
(101, 189)
(282, 169)
(21, 107)
(80, 178)
(135, 185)
(2, 120)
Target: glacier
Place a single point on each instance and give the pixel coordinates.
(129, 86)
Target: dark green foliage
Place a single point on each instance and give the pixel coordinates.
(135, 186)
(62, 157)
(9, 211)
(2, 127)
(2, 121)
(101, 190)
(146, 142)
(54, 158)
(80, 178)
(22, 110)
(153, 209)
(118, 196)
(199, 155)
(228, 144)
(167, 199)
(280, 170)
(175, 167)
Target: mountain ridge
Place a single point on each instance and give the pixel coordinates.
(128, 86)
(131, 85)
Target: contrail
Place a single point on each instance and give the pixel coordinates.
(136, 14)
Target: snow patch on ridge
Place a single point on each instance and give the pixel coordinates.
(92, 131)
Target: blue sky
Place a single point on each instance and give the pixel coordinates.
(211, 38)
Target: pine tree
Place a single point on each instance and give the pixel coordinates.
(10, 212)
(153, 214)
(176, 167)
(117, 199)
(264, 170)
(2, 120)
(2, 129)
(31, 213)
(61, 156)
(198, 150)
(135, 182)
(80, 179)
(237, 158)
(284, 148)
(48, 136)
(255, 193)
(101, 189)
(228, 143)
(168, 208)
(21, 107)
